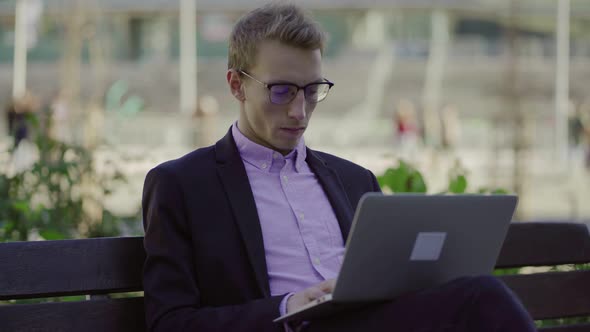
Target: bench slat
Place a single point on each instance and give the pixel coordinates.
(553, 294)
(116, 315)
(572, 328)
(545, 244)
(90, 266)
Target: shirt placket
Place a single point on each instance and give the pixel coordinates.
(305, 226)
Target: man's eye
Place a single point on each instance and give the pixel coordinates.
(281, 89)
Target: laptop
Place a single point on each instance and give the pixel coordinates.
(408, 242)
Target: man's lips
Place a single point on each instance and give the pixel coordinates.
(293, 129)
(294, 132)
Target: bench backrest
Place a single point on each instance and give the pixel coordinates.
(91, 267)
(548, 295)
(96, 267)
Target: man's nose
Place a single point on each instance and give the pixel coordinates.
(297, 106)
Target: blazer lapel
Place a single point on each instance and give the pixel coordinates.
(334, 189)
(237, 186)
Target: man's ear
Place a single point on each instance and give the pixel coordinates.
(235, 84)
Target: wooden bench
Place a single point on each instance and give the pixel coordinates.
(99, 268)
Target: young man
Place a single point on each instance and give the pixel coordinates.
(254, 227)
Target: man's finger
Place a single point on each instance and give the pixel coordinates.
(328, 285)
(314, 293)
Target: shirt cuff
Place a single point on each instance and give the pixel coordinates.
(283, 305)
(283, 311)
(290, 327)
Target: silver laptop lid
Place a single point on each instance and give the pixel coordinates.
(406, 242)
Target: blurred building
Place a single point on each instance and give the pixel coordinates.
(140, 30)
(379, 52)
(138, 42)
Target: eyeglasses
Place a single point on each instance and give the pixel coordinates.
(284, 93)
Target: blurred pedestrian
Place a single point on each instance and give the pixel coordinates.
(407, 133)
(20, 114)
(575, 133)
(584, 114)
(10, 113)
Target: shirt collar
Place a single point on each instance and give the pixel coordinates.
(261, 157)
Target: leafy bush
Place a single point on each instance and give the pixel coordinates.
(405, 178)
(59, 196)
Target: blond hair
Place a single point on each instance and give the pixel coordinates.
(281, 22)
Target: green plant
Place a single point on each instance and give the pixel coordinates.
(406, 178)
(59, 196)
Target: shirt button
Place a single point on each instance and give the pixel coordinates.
(264, 166)
(275, 155)
(301, 216)
(316, 261)
(285, 178)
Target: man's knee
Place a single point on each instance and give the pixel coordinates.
(491, 284)
(490, 289)
(487, 282)
(478, 287)
(478, 283)
(497, 302)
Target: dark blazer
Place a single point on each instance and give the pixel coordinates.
(205, 268)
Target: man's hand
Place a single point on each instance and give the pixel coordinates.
(305, 296)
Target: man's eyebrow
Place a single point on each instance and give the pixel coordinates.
(280, 82)
(318, 80)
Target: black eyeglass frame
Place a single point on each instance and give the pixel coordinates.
(270, 85)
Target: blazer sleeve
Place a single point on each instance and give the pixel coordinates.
(171, 291)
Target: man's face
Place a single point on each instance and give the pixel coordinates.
(278, 127)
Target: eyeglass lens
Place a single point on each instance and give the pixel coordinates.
(285, 93)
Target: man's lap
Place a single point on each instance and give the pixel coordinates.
(448, 307)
